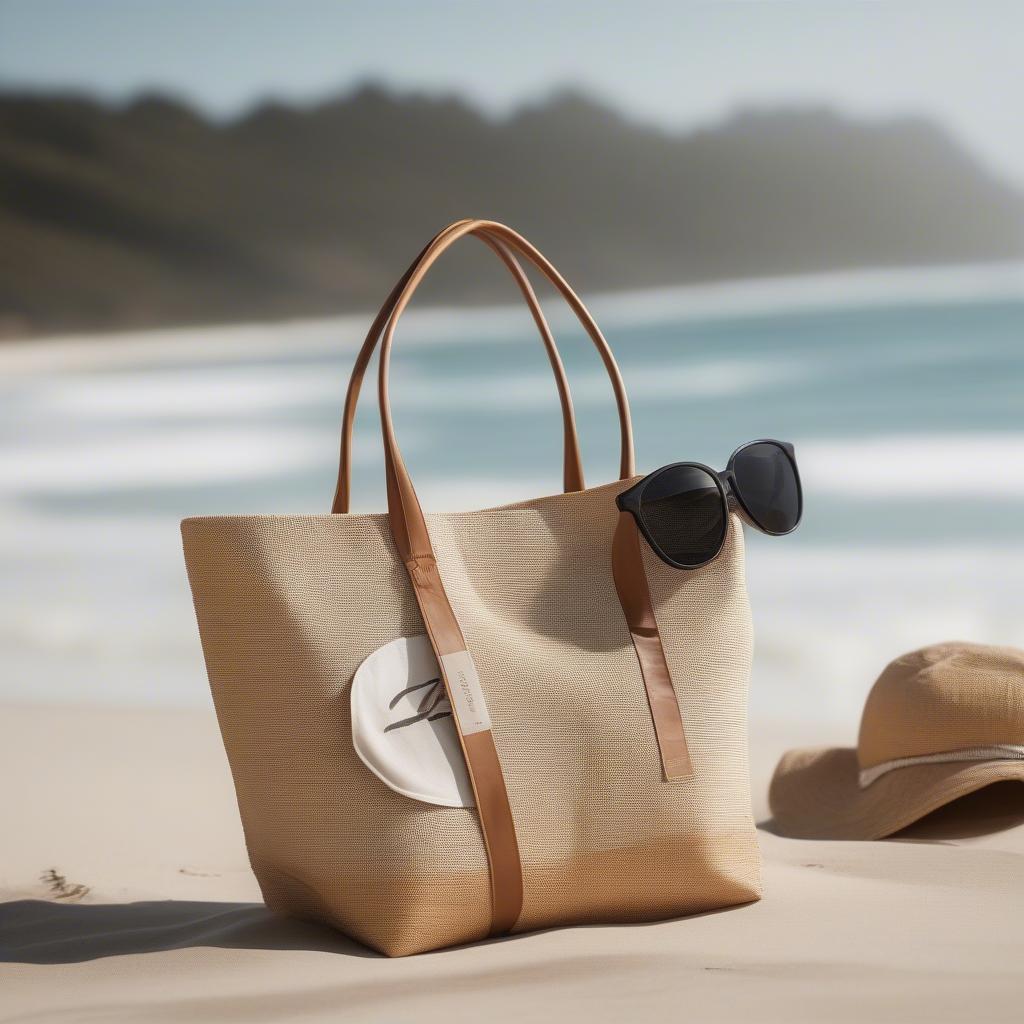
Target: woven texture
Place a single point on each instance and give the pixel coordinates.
(943, 697)
(289, 606)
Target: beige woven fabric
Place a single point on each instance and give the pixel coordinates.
(288, 607)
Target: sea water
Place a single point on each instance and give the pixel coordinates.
(902, 391)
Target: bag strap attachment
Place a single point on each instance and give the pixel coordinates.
(412, 539)
(635, 598)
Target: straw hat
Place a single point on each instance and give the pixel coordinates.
(939, 723)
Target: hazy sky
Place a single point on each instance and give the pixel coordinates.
(671, 62)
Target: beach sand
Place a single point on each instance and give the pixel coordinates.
(137, 807)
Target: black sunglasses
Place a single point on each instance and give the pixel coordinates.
(683, 509)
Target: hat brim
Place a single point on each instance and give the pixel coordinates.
(816, 793)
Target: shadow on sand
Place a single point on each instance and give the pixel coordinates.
(44, 932)
(41, 932)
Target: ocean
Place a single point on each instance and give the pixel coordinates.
(903, 392)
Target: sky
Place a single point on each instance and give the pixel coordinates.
(669, 62)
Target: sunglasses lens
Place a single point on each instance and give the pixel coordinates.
(683, 511)
(767, 483)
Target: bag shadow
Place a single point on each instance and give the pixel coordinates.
(563, 603)
(44, 932)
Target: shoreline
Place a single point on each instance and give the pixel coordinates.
(860, 288)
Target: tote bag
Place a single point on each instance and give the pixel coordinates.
(596, 697)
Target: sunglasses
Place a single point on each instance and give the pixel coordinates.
(683, 509)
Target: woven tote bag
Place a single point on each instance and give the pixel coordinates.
(597, 696)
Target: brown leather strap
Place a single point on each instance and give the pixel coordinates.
(635, 597)
(572, 466)
(403, 505)
(473, 727)
(412, 539)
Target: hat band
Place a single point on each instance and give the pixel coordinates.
(999, 752)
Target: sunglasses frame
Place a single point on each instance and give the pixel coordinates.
(631, 500)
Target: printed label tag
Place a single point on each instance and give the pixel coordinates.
(467, 696)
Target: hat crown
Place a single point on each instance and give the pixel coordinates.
(945, 697)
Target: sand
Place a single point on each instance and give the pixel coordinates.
(137, 808)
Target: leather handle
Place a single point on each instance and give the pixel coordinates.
(572, 465)
(404, 509)
(412, 540)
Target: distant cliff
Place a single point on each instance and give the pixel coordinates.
(151, 214)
